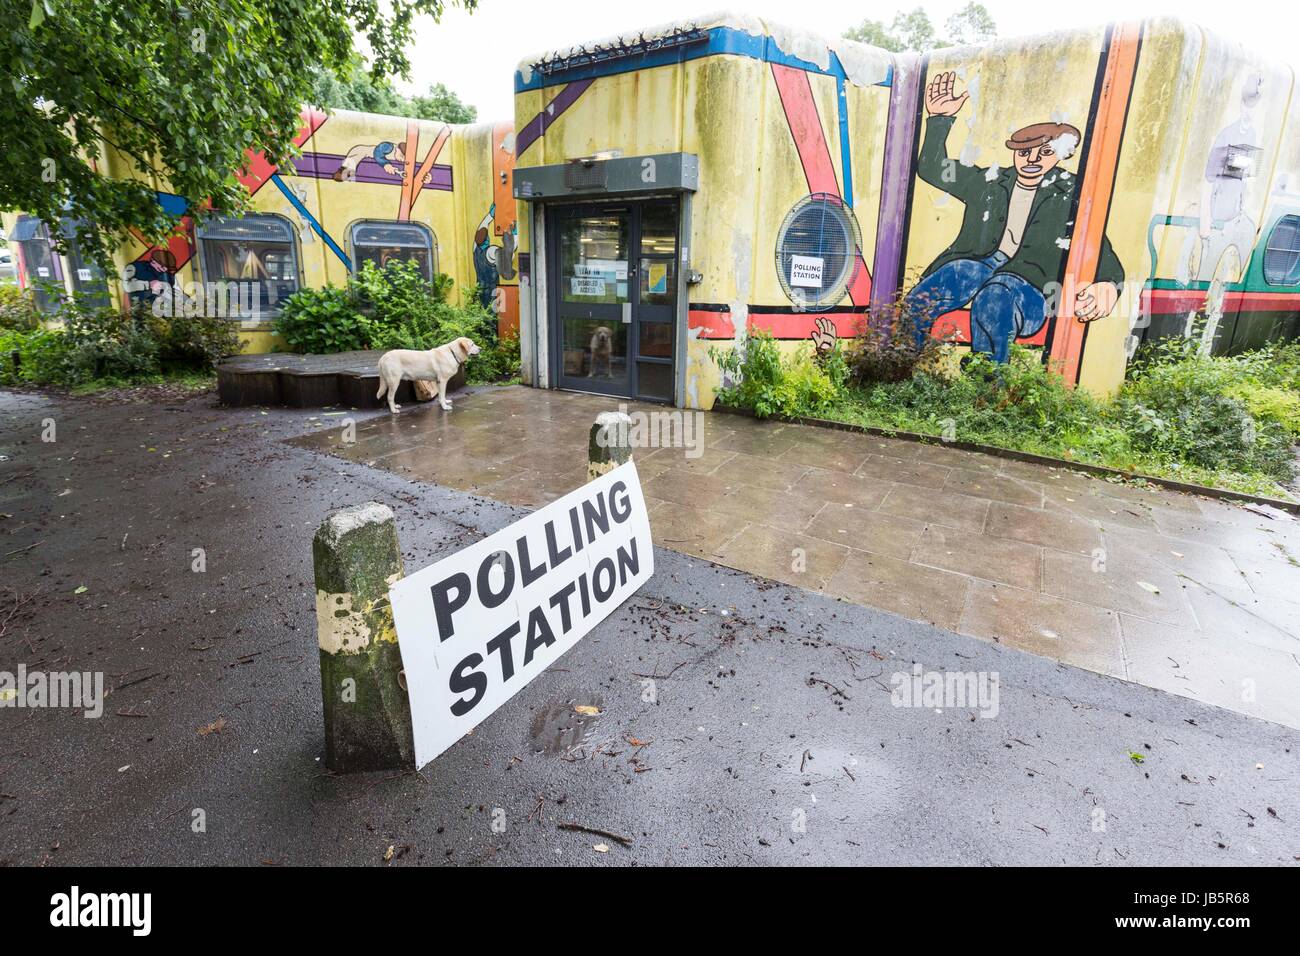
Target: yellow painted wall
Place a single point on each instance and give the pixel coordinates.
(726, 110)
(477, 154)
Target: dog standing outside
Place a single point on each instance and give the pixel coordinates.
(438, 365)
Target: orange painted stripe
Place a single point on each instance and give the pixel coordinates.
(1095, 193)
(409, 172)
(416, 183)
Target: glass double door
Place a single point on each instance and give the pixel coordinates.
(614, 297)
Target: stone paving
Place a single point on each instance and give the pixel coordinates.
(1194, 596)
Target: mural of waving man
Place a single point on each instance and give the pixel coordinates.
(1014, 233)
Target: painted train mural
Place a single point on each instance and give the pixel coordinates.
(1075, 193)
(364, 188)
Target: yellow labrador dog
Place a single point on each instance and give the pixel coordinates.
(438, 365)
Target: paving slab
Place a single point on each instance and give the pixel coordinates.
(741, 720)
(939, 527)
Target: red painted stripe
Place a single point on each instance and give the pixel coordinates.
(806, 127)
(795, 91)
(1182, 301)
(955, 327)
(782, 325)
(712, 325)
(258, 169)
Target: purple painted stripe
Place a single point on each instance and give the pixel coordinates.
(539, 124)
(896, 180)
(324, 165)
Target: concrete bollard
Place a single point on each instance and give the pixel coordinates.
(367, 711)
(608, 445)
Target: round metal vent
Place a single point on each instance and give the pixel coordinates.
(816, 251)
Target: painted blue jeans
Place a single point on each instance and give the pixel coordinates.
(1003, 306)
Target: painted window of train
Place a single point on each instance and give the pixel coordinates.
(384, 242)
(258, 249)
(88, 279)
(1282, 253)
(40, 264)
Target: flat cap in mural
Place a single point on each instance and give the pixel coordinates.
(1040, 134)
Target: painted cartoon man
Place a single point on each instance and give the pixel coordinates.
(1013, 236)
(387, 156)
(493, 263)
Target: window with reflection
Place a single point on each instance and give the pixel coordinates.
(257, 249)
(40, 265)
(593, 258)
(88, 279)
(384, 242)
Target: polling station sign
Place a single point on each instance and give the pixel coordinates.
(806, 271)
(478, 626)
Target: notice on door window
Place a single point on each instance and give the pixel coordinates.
(609, 268)
(806, 271)
(83, 275)
(587, 285)
(657, 278)
(43, 272)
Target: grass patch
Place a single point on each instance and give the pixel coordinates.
(1225, 422)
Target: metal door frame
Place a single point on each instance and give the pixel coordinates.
(556, 214)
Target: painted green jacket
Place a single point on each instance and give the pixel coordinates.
(987, 196)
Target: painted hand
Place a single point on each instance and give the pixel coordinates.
(1095, 301)
(939, 97)
(824, 335)
(390, 169)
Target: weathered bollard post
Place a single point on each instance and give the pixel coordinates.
(367, 711)
(609, 444)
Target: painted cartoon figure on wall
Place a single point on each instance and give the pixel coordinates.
(150, 276)
(1217, 251)
(493, 263)
(1014, 234)
(1223, 221)
(388, 156)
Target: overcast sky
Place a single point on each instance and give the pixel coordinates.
(475, 54)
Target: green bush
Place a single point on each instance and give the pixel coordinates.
(395, 308)
(762, 381)
(33, 356)
(884, 348)
(440, 324)
(196, 343)
(1270, 404)
(322, 321)
(1187, 407)
(397, 293)
(498, 362)
(113, 347)
(18, 309)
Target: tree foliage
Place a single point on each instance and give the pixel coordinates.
(914, 32)
(180, 90)
(354, 88)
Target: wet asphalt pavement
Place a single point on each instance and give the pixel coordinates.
(770, 737)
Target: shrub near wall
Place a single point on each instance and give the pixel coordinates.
(85, 347)
(1225, 421)
(396, 308)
